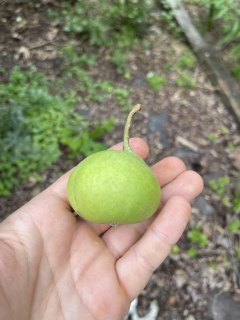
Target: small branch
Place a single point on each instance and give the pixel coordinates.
(38, 45)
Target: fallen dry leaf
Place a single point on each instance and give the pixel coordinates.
(23, 51)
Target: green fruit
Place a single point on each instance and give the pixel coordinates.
(114, 186)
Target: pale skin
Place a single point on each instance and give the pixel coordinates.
(56, 266)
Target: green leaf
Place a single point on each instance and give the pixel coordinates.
(237, 249)
(224, 130)
(192, 252)
(175, 249)
(155, 81)
(219, 186)
(213, 265)
(212, 137)
(234, 225)
(197, 237)
(185, 80)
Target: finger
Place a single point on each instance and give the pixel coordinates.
(138, 145)
(59, 188)
(188, 185)
(136, 266)
(168, 169)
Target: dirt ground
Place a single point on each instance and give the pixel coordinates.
(175, 121)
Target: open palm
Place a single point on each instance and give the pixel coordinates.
(56, 266)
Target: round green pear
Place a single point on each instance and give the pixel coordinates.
(114, 186)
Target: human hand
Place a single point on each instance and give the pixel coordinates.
(56, 266)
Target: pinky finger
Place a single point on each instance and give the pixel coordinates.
(136, 266)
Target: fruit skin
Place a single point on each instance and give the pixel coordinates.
(114, 187)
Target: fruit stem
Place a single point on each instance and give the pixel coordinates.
(126, 145)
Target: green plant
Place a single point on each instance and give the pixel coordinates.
(234, 225)
(186, 61)
(236, 72)
(118, 58)
(111, 23)
(224, 130)
(197, 237)
(127, 74)
(211, 12)
(196, 2)
(97, 21)
(219, 186)
(168, 17)
(34, 122)
(99, 188)
(121, 96)
(192, 252)
(185, 80)
(71, 56)
(225, 201)
(155, 81)
(237, 249)
(167, 68)
(82, 140)
(231, 146)
(229, 12)
(175, 249)
(75, 66)
(212, 137)
(236, 204)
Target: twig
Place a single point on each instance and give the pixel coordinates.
(185, 267)
(210, 252)
(38, 45)
(190, 145)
